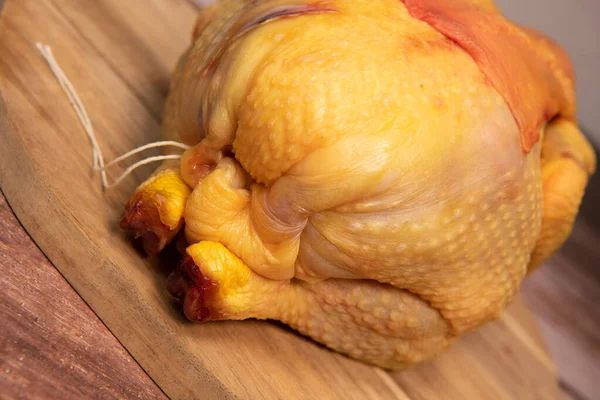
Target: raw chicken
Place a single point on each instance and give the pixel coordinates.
(378, 174)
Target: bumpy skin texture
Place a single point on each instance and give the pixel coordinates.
(155, 211)
(356, 175)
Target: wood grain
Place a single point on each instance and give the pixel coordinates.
(500, 361)
(118, 55)
(51, 343)
(565, 295)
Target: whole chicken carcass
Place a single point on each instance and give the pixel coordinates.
(378, 174)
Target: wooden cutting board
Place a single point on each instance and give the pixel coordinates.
(118, 55)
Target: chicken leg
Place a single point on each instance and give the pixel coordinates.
(367, 320)
(568, 159)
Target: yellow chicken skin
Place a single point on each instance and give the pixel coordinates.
(155, 211)
(366, 171)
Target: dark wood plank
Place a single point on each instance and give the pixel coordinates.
(52, 345)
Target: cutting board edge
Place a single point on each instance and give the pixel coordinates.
(19, 202)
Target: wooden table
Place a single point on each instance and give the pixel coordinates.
(53, 345)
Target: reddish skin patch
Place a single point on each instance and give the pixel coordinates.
(196, 291)
(507, 55)
(143, 220)
(198, 162)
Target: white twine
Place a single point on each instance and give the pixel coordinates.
(145, 161)
(98, 164)
(145, 147)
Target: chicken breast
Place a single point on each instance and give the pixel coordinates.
(378, 174)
